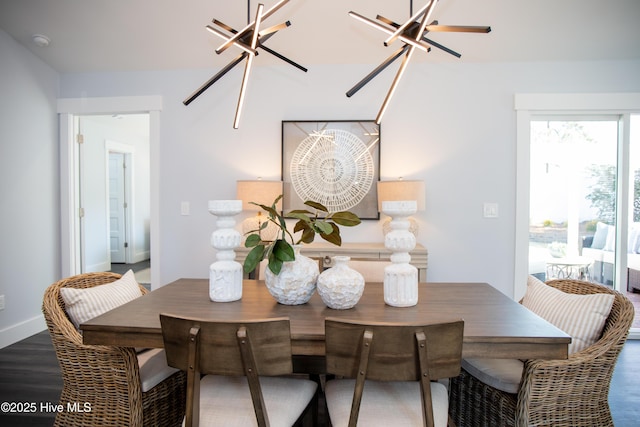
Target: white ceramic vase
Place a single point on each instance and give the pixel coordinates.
(400, 278)
(340, 286)
(296, 282)
(225, 275)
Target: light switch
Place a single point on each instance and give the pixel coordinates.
(184, 208)
(491, 210)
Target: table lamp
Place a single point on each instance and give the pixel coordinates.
(264, 193)
(401, 190)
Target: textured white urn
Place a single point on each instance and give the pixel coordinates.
(400, 278)
(340, 286)
(296, 282)
(225, 275)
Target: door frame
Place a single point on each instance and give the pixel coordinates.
(68, 109)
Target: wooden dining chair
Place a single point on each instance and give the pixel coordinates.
(385, 373)
(246, 367)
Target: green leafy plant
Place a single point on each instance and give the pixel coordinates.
(309, 224)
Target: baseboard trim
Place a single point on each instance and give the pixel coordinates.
(22, 330)
(141, 256)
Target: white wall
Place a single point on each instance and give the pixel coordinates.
(450, 124)
(29, 175)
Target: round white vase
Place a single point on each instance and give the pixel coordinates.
(296, 282)
(225, 275)
(340, 286)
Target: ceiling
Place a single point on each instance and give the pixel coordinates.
(130, 35)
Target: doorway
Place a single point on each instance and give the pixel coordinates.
(70, 109)
(113, 190)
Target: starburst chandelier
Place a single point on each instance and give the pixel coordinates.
(413, 36)
(249, 40)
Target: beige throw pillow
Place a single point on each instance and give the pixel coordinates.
(84, 304)
(581, 316)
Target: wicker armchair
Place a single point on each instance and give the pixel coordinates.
(105, 381)
(572, 392)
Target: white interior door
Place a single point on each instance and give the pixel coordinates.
(117, 207)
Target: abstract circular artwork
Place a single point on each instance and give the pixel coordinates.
(333, 167)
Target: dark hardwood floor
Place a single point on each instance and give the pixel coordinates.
(30, 377)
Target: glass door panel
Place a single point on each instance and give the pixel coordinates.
(572, 207)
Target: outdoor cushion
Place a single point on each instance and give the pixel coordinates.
(600, 237)
(84, 304)
(581, 316)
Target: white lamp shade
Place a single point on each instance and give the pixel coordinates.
(262, 192)
(401, 190)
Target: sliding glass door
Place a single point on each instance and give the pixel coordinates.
(572, 207)
(580, 169)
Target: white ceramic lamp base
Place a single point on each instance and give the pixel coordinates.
(400, 278)
(225, 275)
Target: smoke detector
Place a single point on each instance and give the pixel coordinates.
(41, 40)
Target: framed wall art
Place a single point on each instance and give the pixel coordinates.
(336, 163)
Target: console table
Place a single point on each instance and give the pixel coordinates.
(323, 252)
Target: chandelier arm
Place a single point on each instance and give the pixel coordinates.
(282, 57)
(396, 80)
(459, 28)
(274, 28)
(224, 26)
(441, 47)
(374, 24)
(402, 27)
(250, 26)
(425, 19)
(247, 68)
(215, 78)
(387, 21)
(222, 35)
(377, 71)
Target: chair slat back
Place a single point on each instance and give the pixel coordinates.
(393, 355)
(259, 347)
(219, 349)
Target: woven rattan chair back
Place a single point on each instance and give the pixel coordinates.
(104, 378)
(387, 352)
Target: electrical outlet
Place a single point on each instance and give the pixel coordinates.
(1, 302)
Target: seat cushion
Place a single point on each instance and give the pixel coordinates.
(226, 401)
(385, 403)
(581, 316)
(84, 304)
(153, 368)
(502, 374)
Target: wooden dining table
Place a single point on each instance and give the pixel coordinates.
(495, 326)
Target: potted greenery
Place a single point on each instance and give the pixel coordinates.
(290, 276)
